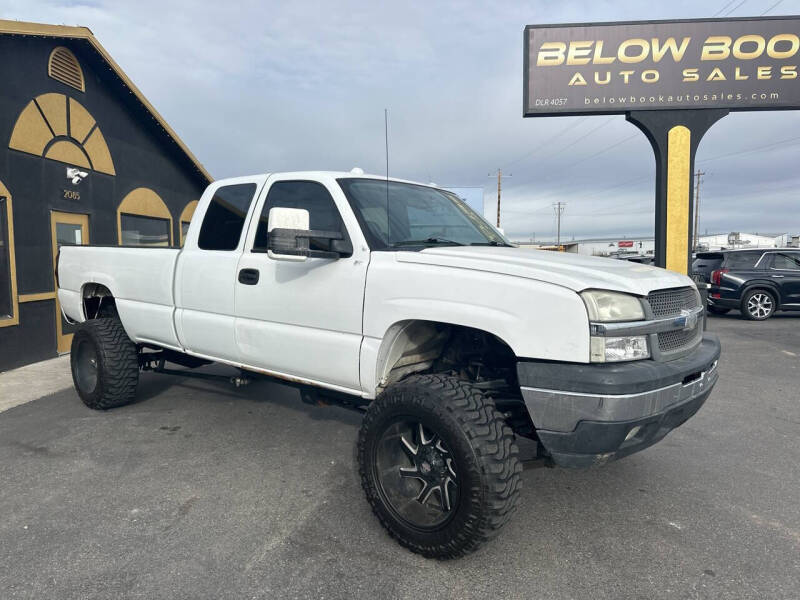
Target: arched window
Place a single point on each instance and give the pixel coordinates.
(186, 219)
(9, 309)
(64, 67)
(144, 220)
(60, 128)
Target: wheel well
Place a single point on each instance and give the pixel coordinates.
(98, 301)
(469, 354)
(765, 287)
(418, 346)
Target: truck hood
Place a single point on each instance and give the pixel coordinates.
(568, 270)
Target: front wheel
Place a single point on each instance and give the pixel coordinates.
(439, 465)
(758, 305)
(105, 365)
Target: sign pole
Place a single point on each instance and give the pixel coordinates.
(674, 136)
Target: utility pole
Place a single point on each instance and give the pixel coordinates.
(698, 179)
(499, 179)
(559, 207)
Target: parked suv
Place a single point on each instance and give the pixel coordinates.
(756, 282)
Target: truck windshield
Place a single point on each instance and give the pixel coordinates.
(404, 215)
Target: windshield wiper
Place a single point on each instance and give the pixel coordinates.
(428, 241)
(490, 243)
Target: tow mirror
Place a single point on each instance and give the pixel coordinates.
(289, 237)
(283, 225)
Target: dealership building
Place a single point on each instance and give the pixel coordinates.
(84, 158)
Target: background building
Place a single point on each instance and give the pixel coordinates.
(646, 245)
(84, 158)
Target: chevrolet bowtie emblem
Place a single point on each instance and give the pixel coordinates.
(689, 319)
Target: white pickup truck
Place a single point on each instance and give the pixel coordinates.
(397, 299)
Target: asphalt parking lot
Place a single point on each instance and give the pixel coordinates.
(205, 491)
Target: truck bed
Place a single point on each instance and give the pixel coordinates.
(140, 279)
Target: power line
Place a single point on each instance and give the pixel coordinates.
(756, 149)
(585, 135)
(546, 142)
(595, 155)
(627, 183)
(726, 5)
(771, 8)
(581, 138)
(734, 8)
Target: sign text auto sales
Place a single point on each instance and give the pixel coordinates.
(741, 64)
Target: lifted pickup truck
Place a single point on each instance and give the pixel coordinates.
(397, 299)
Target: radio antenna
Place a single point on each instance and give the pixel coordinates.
(386, 140)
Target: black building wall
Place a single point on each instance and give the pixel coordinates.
(142, 153)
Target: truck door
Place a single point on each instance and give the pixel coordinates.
(205, 277)
(303, 319)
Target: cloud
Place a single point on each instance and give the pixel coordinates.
(265, 86)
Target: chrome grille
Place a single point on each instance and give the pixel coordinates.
(668, 303)
(671, 341)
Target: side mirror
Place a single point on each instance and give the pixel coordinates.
(282, 227)
(290, 236)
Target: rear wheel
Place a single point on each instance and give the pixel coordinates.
(105, 364)
(758, 305)
(439, 465)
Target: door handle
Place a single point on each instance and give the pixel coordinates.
(248, 276)
(778, 276)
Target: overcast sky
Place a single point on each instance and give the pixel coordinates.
(260, 86)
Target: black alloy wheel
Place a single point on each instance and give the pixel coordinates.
(416, 473)
(439, 465)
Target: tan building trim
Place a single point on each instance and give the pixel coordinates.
(14, 319)
(63, 340)
(63, 66)
(37, 297)
(143, 202)
(186, 217)
(45, 117)
(84, 33)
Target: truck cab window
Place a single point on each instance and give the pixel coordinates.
(225, 217)
(310, 195)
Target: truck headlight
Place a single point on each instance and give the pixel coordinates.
(607, 307)
(616, 349)
(615, 307)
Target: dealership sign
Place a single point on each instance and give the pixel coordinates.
(736, 64)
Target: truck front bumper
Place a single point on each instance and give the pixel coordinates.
(589, 414)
